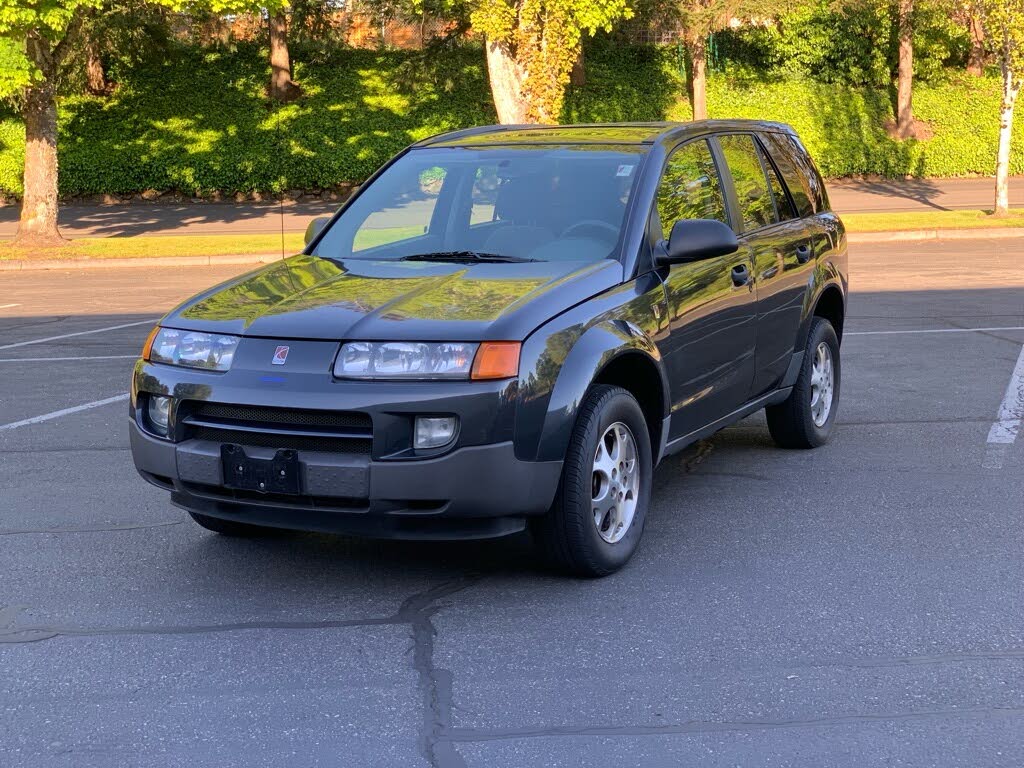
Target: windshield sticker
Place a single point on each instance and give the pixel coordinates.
(624, 170)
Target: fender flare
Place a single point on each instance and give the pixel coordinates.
(593, 352)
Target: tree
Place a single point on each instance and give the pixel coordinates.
(1004, 27)
(281, 86)
(532, 46)
(45, 28)
(976, 30)
(700, 19)
(905, 69)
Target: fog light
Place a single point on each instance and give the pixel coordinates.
(159, 413)
(434, 431)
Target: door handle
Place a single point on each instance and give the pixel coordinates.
(740, 275)
(803, 253)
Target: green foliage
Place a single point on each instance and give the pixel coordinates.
(15, 70)
(200, 123)
(843, 126)
(853, 44)
(12, 153)
(625, 82)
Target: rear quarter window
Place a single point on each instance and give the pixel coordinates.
(805, 184)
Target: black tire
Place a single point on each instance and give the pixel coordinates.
(231, 527)
(791, 422)
(568, 535)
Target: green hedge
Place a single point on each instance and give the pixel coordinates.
(842, 125)
(199, 123)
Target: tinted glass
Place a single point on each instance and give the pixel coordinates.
(531, 202)
(407, 216)
(801, 177)
(690, 187)
(783, 208)
(752, 194)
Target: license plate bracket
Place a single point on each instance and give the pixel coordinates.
(245, 473)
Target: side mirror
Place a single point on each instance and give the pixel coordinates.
(696, 239)
(314, 228)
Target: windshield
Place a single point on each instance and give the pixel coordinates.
(539, 203)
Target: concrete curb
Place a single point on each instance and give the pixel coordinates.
(935, 234)
(25, 265)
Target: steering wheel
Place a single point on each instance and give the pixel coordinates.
(603, 226)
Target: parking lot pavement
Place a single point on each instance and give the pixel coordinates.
(857, 605)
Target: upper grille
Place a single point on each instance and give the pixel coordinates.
(255, 415)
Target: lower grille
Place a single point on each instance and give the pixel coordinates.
(299, 429)
(326, 443)
(279, 417)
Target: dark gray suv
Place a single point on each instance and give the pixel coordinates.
(507, 326)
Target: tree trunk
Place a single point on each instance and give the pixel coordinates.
(699, 78)
(38, 223)
(976, 58)
(905, 75)
(1011, 88)
(578, 76)
(506, 78)
(281, 86)
(96, 78)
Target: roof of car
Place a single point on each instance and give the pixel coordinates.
(594, 133)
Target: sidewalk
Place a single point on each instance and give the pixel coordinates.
(894, 196)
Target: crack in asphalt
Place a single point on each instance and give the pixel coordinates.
(476, 735)
(32, 634)
(88, 529)
(416, 612)
(435, 684)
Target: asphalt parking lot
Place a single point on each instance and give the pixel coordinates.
(858, 605)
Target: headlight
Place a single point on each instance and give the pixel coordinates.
(193, 349)
(405, 360)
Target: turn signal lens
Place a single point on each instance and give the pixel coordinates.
(496, 360)
(147, 348)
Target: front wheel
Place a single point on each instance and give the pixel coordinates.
(805, 419)
(595, 523)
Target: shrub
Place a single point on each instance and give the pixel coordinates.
(200, 123)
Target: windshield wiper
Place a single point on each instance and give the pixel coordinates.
(469, 257)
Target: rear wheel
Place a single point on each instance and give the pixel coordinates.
(231, 527)
(805, 419)
(595, 523)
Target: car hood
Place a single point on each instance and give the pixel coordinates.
(308, 297)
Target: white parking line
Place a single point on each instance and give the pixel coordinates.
(8, 306)
(79, 333)
(1008, 421)
(64, 359)
(928, 330)
(63, 412)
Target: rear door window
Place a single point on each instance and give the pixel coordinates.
(690, 187)
(783, 207)
(756, 206)
(798, 172)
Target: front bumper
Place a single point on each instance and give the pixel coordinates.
(476, 491)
